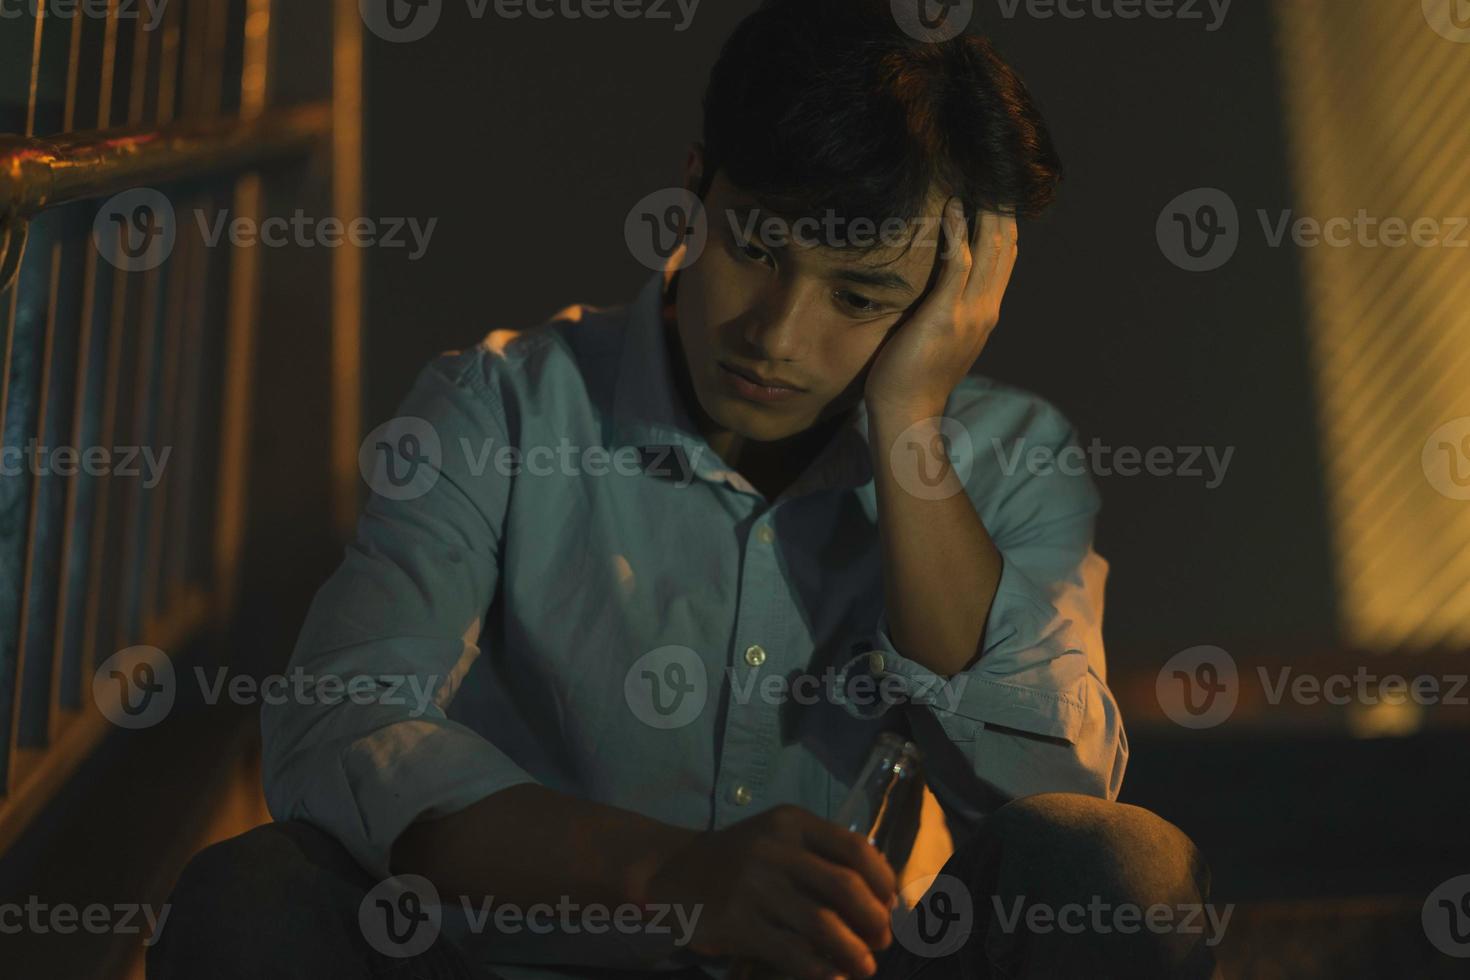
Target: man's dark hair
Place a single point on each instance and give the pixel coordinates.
(828, 106)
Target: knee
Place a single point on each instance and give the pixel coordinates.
(242, 907)
(1125, 892)
(1123, 853)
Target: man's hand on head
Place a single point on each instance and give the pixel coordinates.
(931, 351)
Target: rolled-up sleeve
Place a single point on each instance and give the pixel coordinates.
(399, 623)
(1034, 713)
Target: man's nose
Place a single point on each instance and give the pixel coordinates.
(777, 330)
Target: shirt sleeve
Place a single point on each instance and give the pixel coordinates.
(1034, 713)
(363, 747)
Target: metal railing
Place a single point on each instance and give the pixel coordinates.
(105, 359)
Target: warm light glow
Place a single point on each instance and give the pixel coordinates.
(1376, 102)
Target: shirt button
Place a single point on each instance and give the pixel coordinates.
(755, 655)
(875, 662)
(764, 534)
(741, 795)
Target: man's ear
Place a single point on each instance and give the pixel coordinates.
(696, 179)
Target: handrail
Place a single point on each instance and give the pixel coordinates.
(41, 173)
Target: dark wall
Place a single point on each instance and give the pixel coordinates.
(530, 140)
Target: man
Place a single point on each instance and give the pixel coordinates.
(642, 663)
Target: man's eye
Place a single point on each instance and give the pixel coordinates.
(857, 303)
(752, 251)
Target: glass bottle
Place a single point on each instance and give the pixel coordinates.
(885, 805)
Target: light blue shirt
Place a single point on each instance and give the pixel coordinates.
(659, 636)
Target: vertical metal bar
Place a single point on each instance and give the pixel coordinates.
(32, 719)
(182, 536)
(80, 496)
(73, 64)
(139, 498)
(152, 565)
(347, 303)
(40, 9)
(16, 429)
(135, 510)
(182, 271)
(65, 674)
(214, 56)
(9, 662)
(168, 64)
(135, 503)
(241, 324)
(109, 67)
(41, 661)
(91, 651)
(138, 80)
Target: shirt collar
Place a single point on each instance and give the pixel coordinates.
(648, 412)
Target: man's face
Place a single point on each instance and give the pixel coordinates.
(797, 312)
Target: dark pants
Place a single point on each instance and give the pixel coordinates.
(1052, 886)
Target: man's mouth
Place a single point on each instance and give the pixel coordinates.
(757, 379)
(750, 385)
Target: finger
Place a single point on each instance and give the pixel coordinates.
(795, 910)
(995, 249)
(954, 255)
(853, 850)
(789, 952)
(847, 892)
